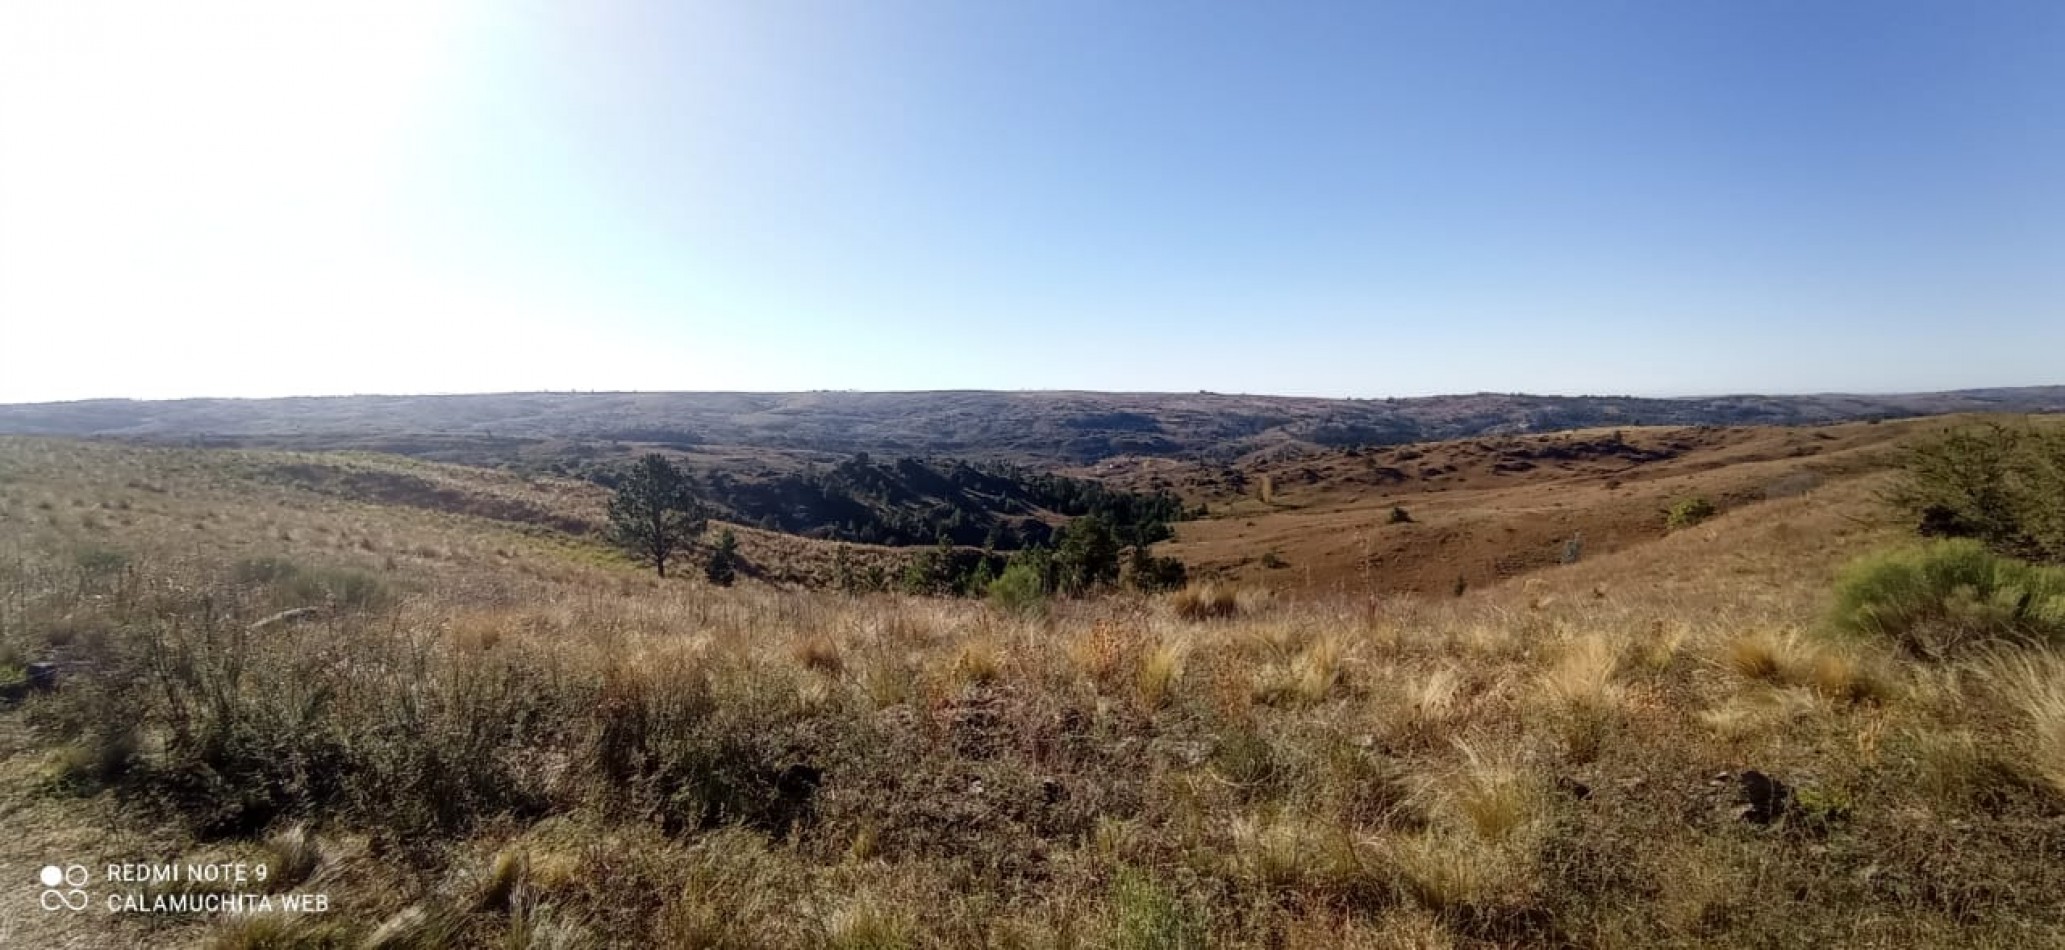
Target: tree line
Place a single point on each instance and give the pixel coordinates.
(912, 502)
(656, 515)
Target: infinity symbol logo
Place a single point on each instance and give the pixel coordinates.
(73, 899)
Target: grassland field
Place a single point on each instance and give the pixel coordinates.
(494, 731)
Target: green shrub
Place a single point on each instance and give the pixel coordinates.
(1150, 574)
(1145, 916)
(292, 585)
(1948, 596)
(96, 561)
(2002, 485)
(1020, 588)
(1686, 512)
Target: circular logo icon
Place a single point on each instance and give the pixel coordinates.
(73, 878)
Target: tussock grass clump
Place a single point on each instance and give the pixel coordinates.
(1755, 712)
(1310, 677)
(1206, 602)
(1584, 700)
(1452, 875)
(1849, 673)
(1154, 682)
(979, 663)
(280, 931)
(417, 927)
(1285, 852)
(291, 857)
(1097, 653)
(2034, 684)
(1949, 597)
(1491, 796)
(866, 923)
(1414, 709)
(1957, 771)
(821, 653)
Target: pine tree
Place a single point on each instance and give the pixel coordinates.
(655, 512)
(1088, 556)
(722, 568)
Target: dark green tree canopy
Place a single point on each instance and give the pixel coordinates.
(655, 512)
(1088, 556)
(722, 568)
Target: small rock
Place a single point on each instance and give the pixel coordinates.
(1767, 798)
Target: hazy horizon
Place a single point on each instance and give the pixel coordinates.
(1807, 393)
(247, 200)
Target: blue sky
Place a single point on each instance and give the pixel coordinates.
(1352, 199)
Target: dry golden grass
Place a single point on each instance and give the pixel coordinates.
(526, 743)
(1159, 672)
(2034, 684)
(1205, 602)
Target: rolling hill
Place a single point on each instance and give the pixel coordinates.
(1035, 428)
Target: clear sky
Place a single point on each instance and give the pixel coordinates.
(1359, 198)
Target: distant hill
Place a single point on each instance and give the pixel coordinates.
(1040, 428)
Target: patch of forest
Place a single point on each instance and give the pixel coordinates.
(916, 501)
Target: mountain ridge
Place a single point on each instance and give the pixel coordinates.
(1053, 427)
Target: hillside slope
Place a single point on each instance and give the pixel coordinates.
(1478, 510)
(1482, 510)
